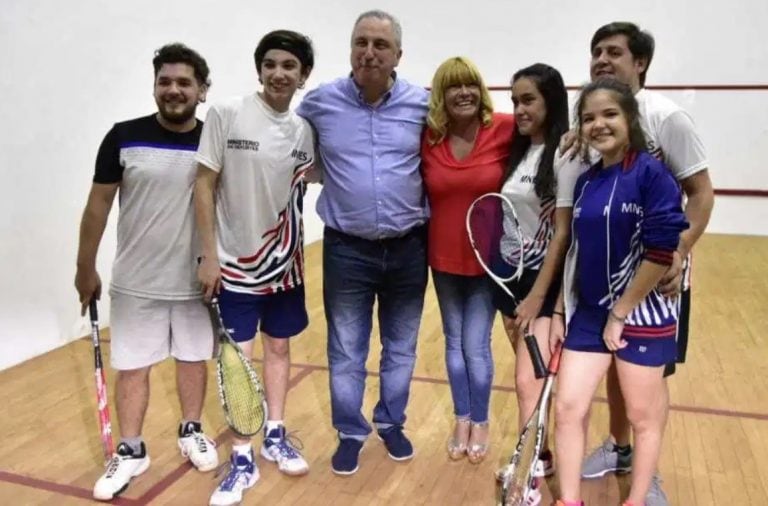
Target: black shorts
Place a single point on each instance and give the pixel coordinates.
(520, 289)
(683, 320)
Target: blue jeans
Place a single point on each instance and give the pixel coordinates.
(466, 307)
(355, 272)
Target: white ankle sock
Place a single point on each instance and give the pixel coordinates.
(244, 449)
(273, 424)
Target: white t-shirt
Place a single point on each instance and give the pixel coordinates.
(671, 134)
(537, 216)
(261, 155)
(672, 138)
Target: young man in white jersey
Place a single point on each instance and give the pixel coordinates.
(156, 310)
(253, 155)
(621, 50)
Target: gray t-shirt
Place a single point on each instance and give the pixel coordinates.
(156, 241)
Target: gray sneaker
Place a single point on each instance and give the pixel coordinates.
(604, 460)
(655, 495)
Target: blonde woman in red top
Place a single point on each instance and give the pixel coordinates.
(465, 151)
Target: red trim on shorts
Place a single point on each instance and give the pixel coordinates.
(659, 256)
(666, 332)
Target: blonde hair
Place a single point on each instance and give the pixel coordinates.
(454, 71)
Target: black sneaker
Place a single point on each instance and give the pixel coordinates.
(398, 446)
(345, 460)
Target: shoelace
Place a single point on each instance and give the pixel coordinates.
(114, 463)
(234, 474)
(202, 442)
(290, 445)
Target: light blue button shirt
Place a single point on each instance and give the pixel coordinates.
(372, 185)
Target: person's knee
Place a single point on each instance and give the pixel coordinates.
(277, 349)
(569, 411)
(130, 375)
(645, 416)
(527, 386)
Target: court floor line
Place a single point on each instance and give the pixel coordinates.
(58, 488)
(702, 410)
(305, 370)
(154, 492)
(727, 413)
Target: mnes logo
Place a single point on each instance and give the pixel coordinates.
(299, 155)
(526, 179)
(631, 208)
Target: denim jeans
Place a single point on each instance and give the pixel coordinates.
(355, 273)
(466, 307)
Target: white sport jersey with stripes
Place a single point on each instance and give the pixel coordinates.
(537, 216)
(261, 156)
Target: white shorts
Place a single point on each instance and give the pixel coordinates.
(147, 331)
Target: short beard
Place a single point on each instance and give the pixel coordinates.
(177, 118)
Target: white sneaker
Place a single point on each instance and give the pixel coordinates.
(198, 448)
(533, 498)
(278, 448)
(545, 465)
(123, 466)
(242, 475)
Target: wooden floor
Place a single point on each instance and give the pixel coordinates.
(715, 450)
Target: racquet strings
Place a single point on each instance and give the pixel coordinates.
(496, 236)
(515, 485)
(240, 390)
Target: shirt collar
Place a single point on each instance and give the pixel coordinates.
(359, 91)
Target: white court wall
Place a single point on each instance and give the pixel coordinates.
(70, 70)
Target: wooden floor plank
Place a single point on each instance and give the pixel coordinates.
(715, 450)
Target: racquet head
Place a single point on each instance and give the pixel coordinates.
(496, 237)
(240, 390)
(515, 479)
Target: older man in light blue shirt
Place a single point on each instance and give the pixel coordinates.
(373, 204)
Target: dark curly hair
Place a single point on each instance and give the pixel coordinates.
(179, 53)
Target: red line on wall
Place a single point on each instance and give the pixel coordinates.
(673, 87)
(739, 192)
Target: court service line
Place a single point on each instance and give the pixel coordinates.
(154, 492)
(726, 413)
(166, 482)
(58, 488)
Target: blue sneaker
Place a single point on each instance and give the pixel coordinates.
(242, 475)
(284, 450)
(398, 446)
(345, 460)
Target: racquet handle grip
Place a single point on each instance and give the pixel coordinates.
(554, 362)
(539, 369)
(93, 310)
